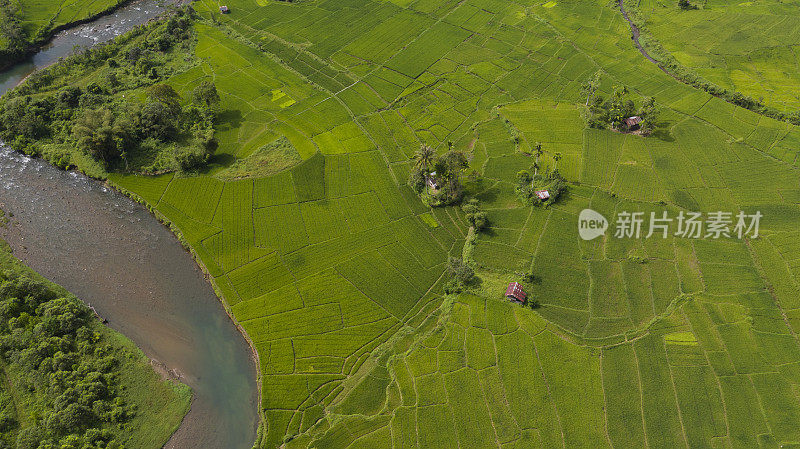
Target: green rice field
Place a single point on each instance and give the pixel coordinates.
(335, 268)
(749, 47)
(37, 18)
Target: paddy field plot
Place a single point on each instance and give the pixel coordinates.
(334, 267)
(743, 46)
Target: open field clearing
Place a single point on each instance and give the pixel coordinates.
(336, 269)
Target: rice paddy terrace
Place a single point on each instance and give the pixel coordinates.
(334, 267)
(750, 47)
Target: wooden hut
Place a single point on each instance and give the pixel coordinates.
(515, 293)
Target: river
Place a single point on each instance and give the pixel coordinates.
(112, 253)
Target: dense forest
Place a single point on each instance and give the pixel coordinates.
(109, 106)
(66, 381)
(13, 40)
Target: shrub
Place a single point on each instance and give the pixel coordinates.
(190, 158)
(100, 134)
(157, 121)
(416, 179)
(476, 217)
(459, 273)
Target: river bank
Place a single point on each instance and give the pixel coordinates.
(110, 251)
(9, 60)
(197, 259)
(83, 34)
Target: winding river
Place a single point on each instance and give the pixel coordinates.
(109, 251)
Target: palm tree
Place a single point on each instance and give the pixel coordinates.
(537, 150)
(424, 157)
(557, 157)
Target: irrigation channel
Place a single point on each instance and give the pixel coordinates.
(109, 251)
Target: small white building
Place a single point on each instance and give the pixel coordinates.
(431, 181)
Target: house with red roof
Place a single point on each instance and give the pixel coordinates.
(515, 293)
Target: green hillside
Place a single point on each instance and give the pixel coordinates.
(336, 268)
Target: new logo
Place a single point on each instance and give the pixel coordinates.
(591, 224)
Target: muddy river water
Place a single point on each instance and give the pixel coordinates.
(109, 251)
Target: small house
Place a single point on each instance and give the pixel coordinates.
(431, 181)
(224, 9)
(515, 293)
(632, 123)
(542, 194)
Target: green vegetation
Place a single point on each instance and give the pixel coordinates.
(438, 179)
(70, 382)
(460, 274)
(272, 158)
(527, 187)
(106, 109)
(26, 24)
(612, 112)
(742, 52)
(346, 278)
(475, 216)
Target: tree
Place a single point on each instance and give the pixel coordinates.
(24, 116)
(166, 95)
(590, 86)
(10, 27)
(476, 217)
(459, 273)
(99, 133)
(619, 107)
(451, 164)
(523, 178)
(649, 113)
(29, 437)
(423, 157)
(190, 157)
(69, 96)
(206, 94)
(538, 152)
(157, 121)
(416, 179)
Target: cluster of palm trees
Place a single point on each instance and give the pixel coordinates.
(538, 152)
(423, 158)
(447, 169)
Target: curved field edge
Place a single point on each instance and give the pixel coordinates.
(160, 403)
(726, 67)
(179, 235)
(737, 299)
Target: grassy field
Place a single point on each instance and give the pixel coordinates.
(334, 267)
(750, 47)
